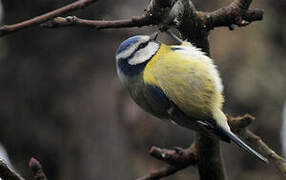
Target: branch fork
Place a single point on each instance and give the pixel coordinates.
(177, 156)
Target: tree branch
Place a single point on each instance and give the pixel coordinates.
(8, 29)
(237, 13)
(75, 21)
(7, 173)
(158, 13)
(178, 159)
(277, 160)
(239, 124)
(210, 163)
(194, 26)
(160, 173)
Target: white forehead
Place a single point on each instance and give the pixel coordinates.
(132, 47)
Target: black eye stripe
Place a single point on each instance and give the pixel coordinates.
(141, 46)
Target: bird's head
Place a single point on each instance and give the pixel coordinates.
(134, 53)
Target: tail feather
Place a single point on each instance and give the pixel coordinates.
(242, 145)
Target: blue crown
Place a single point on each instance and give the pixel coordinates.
(125, 44)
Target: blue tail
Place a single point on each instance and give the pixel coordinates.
(241, 144)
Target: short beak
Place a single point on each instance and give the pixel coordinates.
(154, 36)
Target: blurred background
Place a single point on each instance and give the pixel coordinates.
(62, 103)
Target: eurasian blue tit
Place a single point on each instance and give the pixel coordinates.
(179, 83)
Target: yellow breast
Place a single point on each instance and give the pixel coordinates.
(186, 79)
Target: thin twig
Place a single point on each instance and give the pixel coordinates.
(75, 21)
(162, 172)
(154, 15)
(239, 123)
(7, 173)
(177, 158)
(37, 170)
(8, 29)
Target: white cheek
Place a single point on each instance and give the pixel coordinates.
(144, 54)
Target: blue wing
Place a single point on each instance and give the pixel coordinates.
(161, 104)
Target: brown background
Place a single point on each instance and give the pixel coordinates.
(61, 101)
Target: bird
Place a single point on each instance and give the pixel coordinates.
(177, 83)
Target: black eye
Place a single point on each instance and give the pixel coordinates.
(141, 46)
